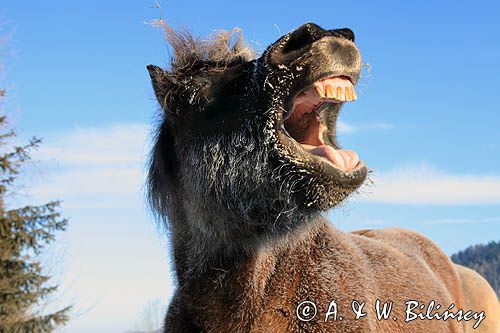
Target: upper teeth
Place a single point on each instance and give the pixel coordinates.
(337, 88)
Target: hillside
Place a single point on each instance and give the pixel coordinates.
(485, 259)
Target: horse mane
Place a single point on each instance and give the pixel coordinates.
(221, 48)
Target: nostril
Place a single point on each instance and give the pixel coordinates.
(346, 33)
(302, 37)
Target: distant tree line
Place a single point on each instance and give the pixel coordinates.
(484, 259)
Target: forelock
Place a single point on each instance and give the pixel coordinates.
(221, 48)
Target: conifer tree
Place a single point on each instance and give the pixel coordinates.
(24, 234)
(484, 259)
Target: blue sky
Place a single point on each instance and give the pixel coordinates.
(426, 122)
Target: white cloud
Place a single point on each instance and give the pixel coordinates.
(379, 222)
(475, 221)
(115, 144)
(426, 185)
(345, 128)
(92, 167)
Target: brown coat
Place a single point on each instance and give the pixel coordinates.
(322, 264)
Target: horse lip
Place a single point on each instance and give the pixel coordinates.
(321, 166)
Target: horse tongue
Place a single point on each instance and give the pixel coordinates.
(345, 160)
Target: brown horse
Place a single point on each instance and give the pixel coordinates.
(245, 162)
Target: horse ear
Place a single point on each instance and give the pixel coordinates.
(162, 83)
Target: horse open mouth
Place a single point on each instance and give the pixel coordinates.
(311, 123)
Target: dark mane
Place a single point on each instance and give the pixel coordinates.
(221, 48)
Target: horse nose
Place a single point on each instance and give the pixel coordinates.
(302, 37)
(346, 33)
